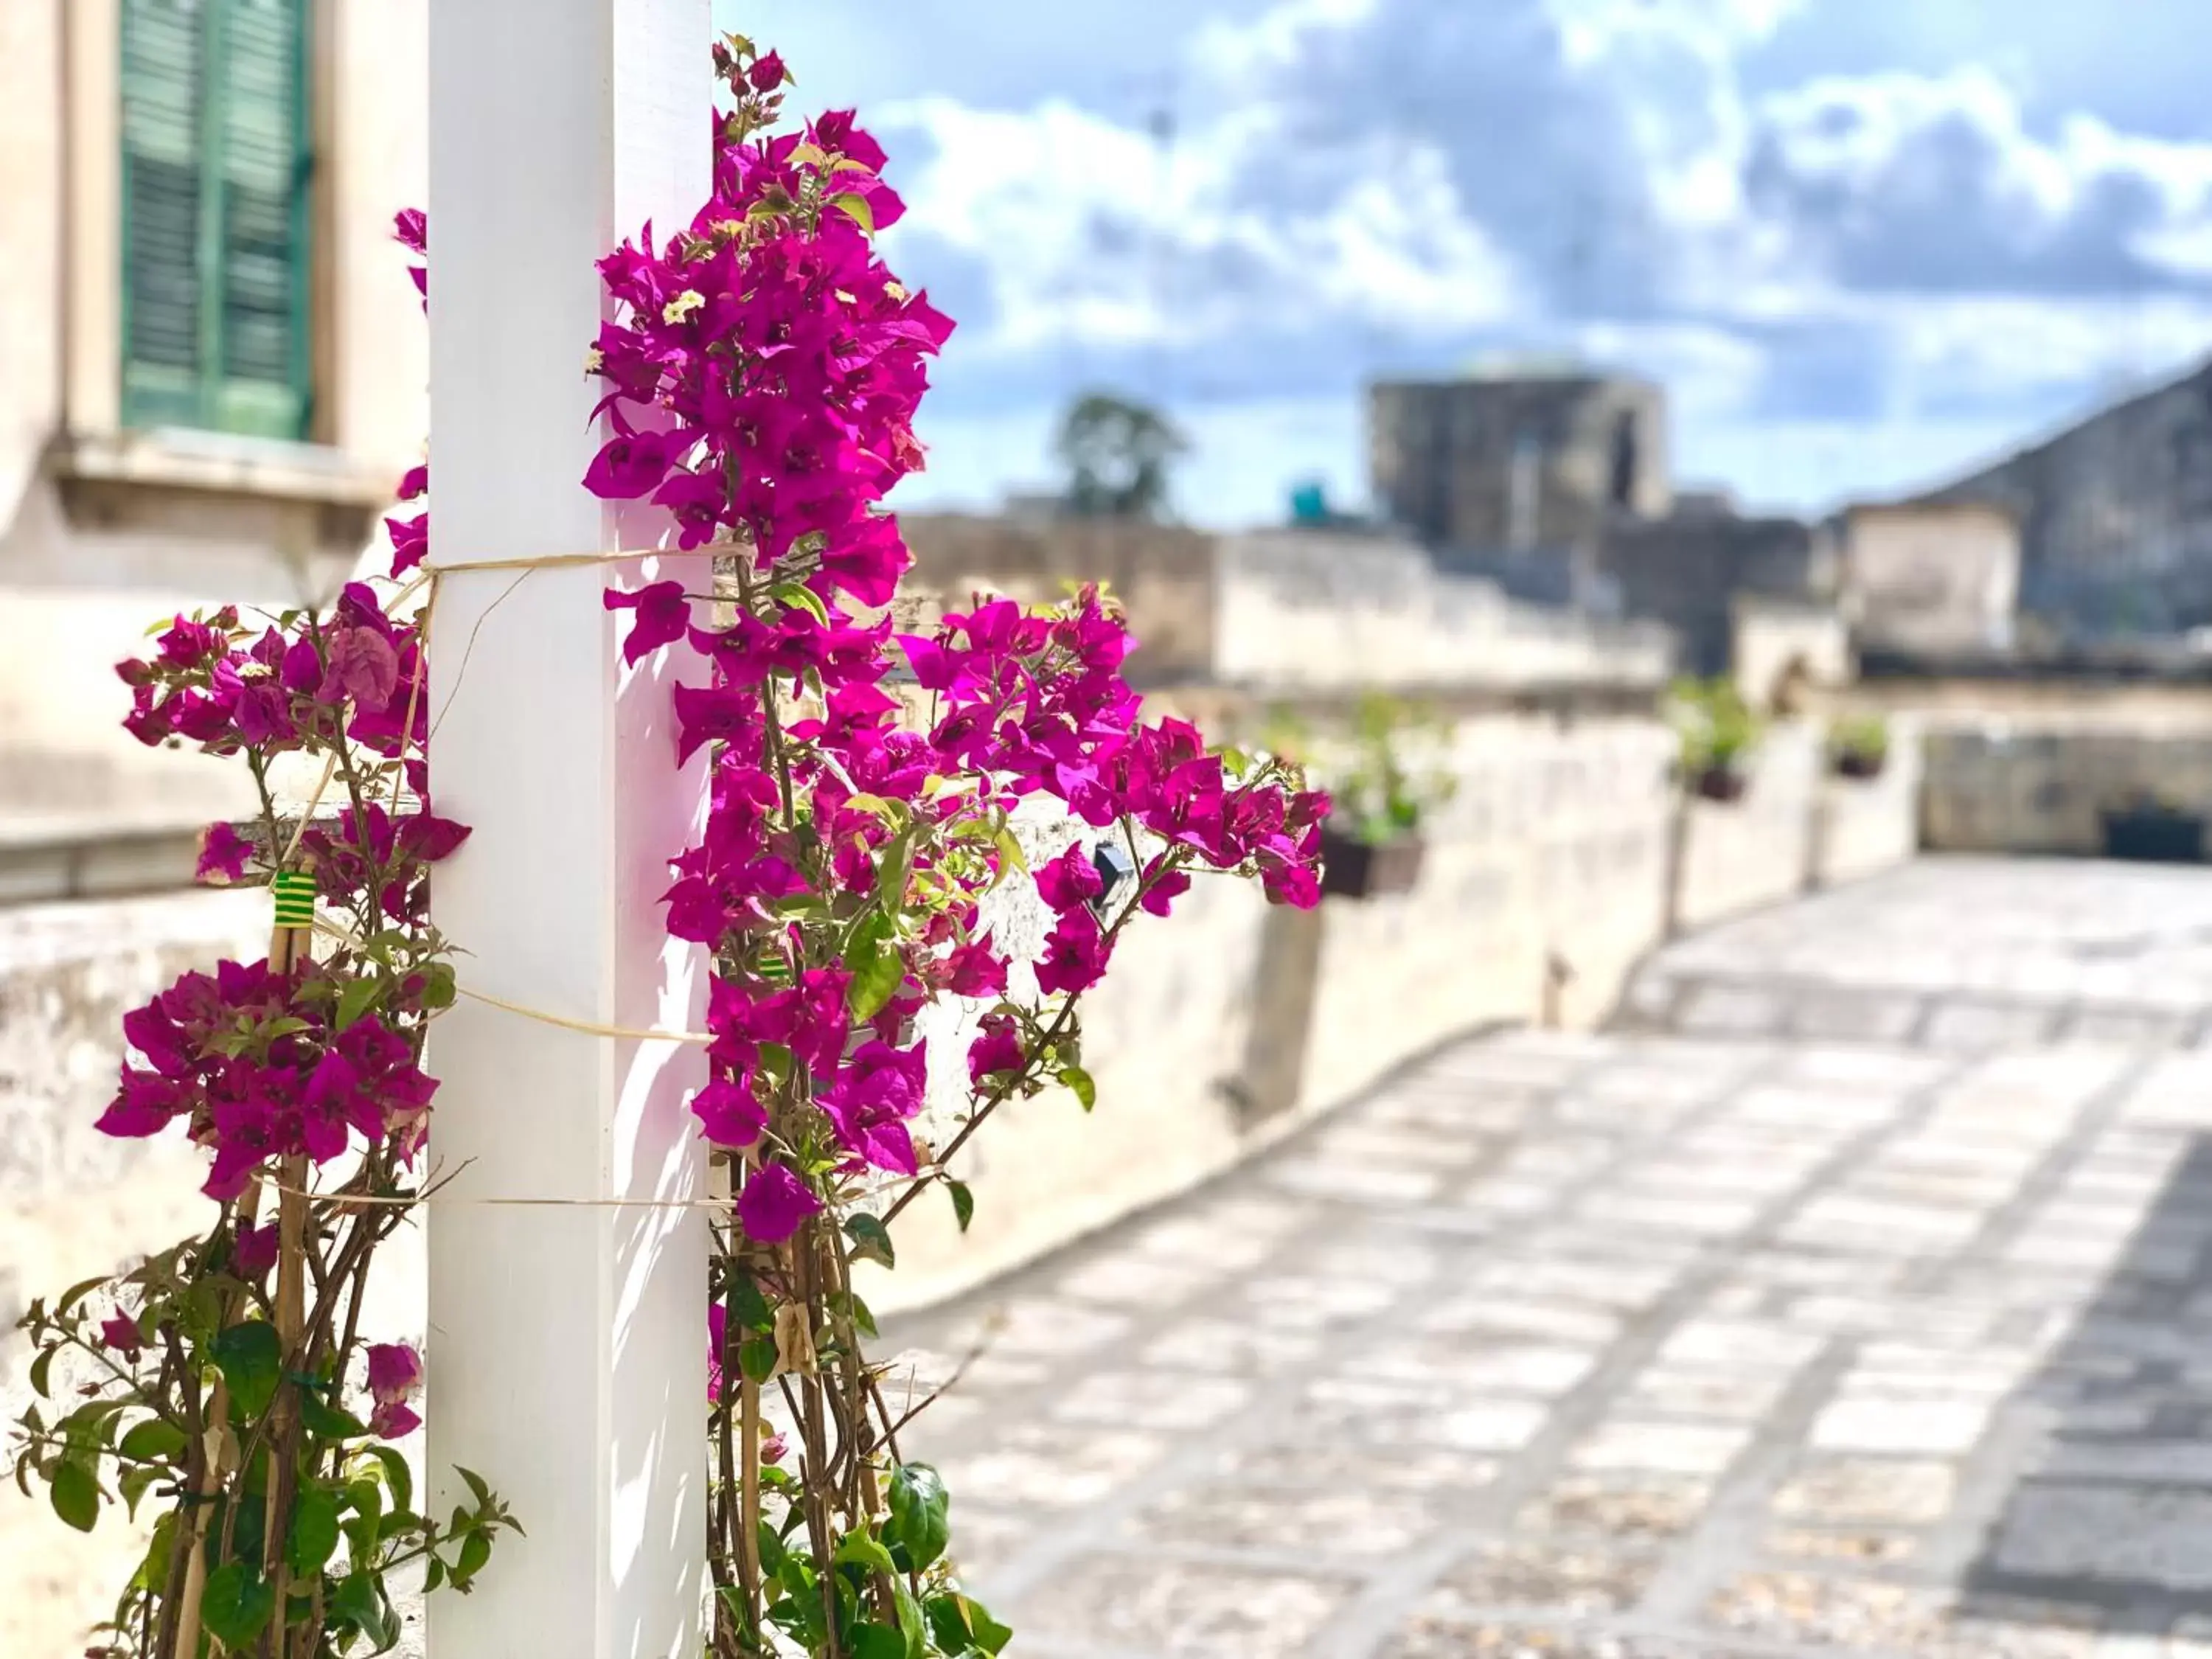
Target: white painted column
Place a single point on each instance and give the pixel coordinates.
(567, 1357)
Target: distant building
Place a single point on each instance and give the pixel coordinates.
(2115, 513)
(1514, 464)
(1689, 570)
(1931, 576)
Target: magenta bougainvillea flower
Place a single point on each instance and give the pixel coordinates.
(395, 1375)
(774, 1202)
(762, 370)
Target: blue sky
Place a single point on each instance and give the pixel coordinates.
(1863, 242)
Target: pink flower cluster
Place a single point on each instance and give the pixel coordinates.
(257, 1066)
(395, 1377)
(356, 675)
(763, 373)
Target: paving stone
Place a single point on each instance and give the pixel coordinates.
(1636, 1508)
(1864, 1549)
(1661, 1448)
(1323, 1525)
(1430, 1637)
(1903, 1427)
(1150, 1400)
(1879, 1492)
(1835, 1613)
(1736, 1396)
(1054, 1467)
(1302, 1465)
(1231, 1345)
(1176, 1609)
(2153, 1537)
(1543, 1370)
(1650, 1347)
(1578, 1581)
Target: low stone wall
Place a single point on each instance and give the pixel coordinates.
(2004, 787)
(1289, 609)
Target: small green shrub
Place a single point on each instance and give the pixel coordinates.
(1718, 730)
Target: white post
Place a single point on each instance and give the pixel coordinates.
(567, 1345)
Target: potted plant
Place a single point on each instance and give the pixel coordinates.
(1719, 733)
(2148, 827)
(1371, 843)
(1858, 747)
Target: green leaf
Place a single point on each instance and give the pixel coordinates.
(1080, 1080)
(153, 1440)
(863, 1316)
(771, 1549)
(321, 1417)
(477, 1487)
(358, 1602)
(919, 1507)
(854, 207)
(398, 1478)
(963, 1203)
(877, 1641)
(76, 1495)
(41, 1372)
(910, 1620)
(236, 1603)
(133, 1483)
(798, 596)
(438, 988)
(355, 997)
(475, 1550)
(251, 1360)
(1010, 851)
(313, 1538)
(948, 1625)
(875, 966)
(75, 1294)
(863, 1549)
(990, 1634)
(751, 1309)
(871, 1240)
(153, 1568)
(757, 1358)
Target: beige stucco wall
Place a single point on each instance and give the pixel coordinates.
(1934, 576)
(1770, 636)
(30, 232)
(101, 532)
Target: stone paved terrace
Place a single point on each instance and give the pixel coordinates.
(1660, 1345)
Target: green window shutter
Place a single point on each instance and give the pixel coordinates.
(163, 302)
(216, 248)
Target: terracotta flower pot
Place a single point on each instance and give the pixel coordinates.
(1356, 869)
(1722, 783)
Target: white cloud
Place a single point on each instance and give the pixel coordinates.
(1361, 183)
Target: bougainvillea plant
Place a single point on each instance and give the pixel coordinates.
(227, 1381)
(867, 826)
(881, 803)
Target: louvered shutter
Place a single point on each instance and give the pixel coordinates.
(216, 151)
(166, 319)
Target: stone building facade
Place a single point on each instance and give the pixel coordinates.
(212, 364)
(1518, 465)
(1931, 576)
(1688, 571)
(2115, 513)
